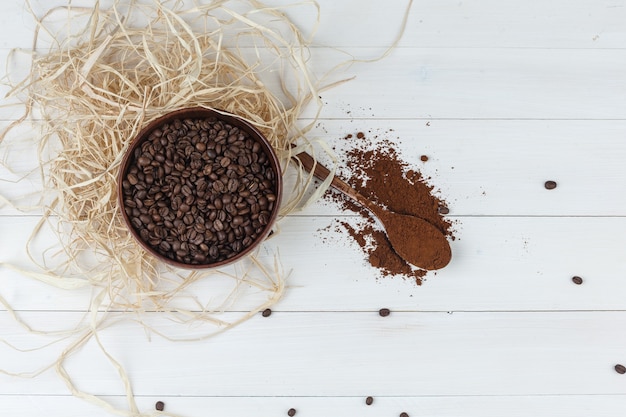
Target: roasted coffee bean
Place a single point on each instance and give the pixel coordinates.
(577, 280)
(230, 209)
(291, 412)
(233, 185)
(550, 185)
(218, 186)
(404, 415)
(620, 369)
(159, 406)
(199, 190)
(384, 312)
(264, 217)
(369, 400)
(137, 223)
(267, 312)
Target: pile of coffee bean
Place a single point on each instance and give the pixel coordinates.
(199, 191)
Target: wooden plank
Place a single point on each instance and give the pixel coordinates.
(337, 354)
(499, 167)
(484, 84)
(495, 167)
(467, 83)
(498, 264)
(432, 23)
(438, 406)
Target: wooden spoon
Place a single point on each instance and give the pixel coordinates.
(414, 239)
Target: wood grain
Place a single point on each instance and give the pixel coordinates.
(501, 96)
(339, 354)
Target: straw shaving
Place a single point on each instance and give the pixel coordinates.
(91, 91)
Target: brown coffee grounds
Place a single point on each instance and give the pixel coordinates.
(377, 171)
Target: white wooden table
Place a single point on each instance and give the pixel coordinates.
(502, 96)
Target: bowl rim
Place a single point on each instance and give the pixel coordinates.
(199, 113)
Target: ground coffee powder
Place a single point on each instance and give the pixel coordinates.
(375, 169)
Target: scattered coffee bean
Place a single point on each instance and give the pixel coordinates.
(384, 312)
(291, 412)
(444, 210)
(199, 191)
(577, 280)
(267, 312)
(404, 414)
(160, 405)
(369, 400)
(620, 369)
(550, 185)
(423, 158)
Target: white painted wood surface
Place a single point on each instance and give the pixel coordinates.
(502, 96)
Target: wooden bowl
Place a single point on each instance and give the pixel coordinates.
(129, 161)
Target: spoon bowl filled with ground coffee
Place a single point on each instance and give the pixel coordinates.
(199, 188)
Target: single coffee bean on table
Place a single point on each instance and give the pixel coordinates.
(550, 185)
(199, 191)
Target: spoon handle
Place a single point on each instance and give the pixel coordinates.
(321, 172)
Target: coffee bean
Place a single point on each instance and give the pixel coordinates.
(404, 415)
(384, 312)
(199, 190)
(444, 210)
(236, 245)
(264, 217)
(550, 185)
(424, 158)
(577, 280)
(620, 369)
(369, 400)
(267, 312)
(218, 186)
(137, 223)
(160, 406)
(291, 412)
